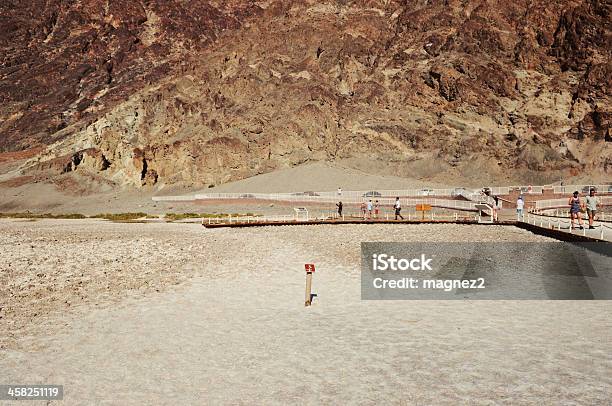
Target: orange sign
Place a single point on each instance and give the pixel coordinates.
(423, 207)
(309, 267)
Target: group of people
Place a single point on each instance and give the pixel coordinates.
(578, 206)
(371, 209)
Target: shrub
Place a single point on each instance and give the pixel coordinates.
(119, 216)
(29, 215)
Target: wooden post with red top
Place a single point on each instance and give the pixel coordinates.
(310, 268)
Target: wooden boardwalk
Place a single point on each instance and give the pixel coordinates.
(239, 224)
(561, 235)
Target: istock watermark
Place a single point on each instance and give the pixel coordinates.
(384, 262)
(483, 270)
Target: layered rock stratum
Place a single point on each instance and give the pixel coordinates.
(167, 92)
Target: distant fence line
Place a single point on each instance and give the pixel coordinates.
(564, 202)
(352, 197)
(385, 202)
(181, 198)
(556, 189)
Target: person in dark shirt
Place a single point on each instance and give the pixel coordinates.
(576, 206)
(339, 206)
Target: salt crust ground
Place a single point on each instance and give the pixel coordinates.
(176, 314)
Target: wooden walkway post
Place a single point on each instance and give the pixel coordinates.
(310, 268)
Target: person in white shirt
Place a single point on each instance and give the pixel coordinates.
(520, 205)
(370, 209)
(339, 191)
(398, 208)
(495, 207)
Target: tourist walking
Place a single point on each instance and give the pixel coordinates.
(398, 208)
(339, 206)
(376, 205)
(520, 205)
(363, 210)
(370, 209)
(495, 207)
(575, 209)
(592, 202)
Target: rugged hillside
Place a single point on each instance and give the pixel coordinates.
(64, 61)
(202, 92)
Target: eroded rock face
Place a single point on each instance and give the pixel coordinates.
(63, 62)
(216, 91)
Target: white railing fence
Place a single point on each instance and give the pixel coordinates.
(604, 231)
(180, 198)
(411, 215)
(564, 202)
(358, 196)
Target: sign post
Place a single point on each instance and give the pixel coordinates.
(310, 268)
(423, 208)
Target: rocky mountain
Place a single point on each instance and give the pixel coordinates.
(196, 93)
